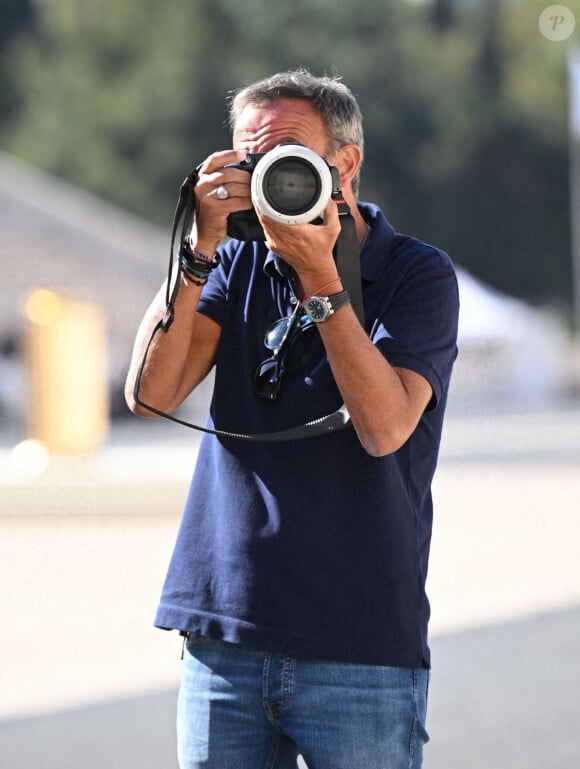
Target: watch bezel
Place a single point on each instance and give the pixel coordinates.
(321, 302)
(326, 302)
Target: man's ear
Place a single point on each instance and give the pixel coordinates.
(348, 160)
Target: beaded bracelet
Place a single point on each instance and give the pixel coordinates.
(196, 264)
(190, 250)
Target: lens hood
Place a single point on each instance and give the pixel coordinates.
(291, 184)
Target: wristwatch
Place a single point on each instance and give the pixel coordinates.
(320, 308)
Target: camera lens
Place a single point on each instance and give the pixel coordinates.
(292, 186)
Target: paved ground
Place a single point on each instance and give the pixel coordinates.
(501, 697)
(82, 555)
(507, 696)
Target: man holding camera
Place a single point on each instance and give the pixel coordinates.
(298, 575)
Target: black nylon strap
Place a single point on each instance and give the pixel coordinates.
(185, 209)
(346, 254)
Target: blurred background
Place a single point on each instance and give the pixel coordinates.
(472, 121)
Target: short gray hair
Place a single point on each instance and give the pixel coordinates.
(334, 102)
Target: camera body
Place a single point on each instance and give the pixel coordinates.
(290, 184)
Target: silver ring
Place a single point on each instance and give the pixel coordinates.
(222, 192)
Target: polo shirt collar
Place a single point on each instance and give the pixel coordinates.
(374, 254)
(276, 267)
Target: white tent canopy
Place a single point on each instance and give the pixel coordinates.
(508, 350)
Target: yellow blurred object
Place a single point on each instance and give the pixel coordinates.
(69, 405)
(43, 307)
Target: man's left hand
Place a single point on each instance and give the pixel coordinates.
(305, 247)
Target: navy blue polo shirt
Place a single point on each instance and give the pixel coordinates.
(313, 547)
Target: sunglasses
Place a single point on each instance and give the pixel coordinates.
(269, 373)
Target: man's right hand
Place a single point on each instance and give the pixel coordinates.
(212, 212)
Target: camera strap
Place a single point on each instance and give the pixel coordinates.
(185, 209)
(346, 254)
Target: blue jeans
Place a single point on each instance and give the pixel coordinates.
(244, 709)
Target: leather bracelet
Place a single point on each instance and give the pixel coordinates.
(192, 278)
(195, 264)
(199, 269)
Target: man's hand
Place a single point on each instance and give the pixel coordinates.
(306, 247)
(211, 212)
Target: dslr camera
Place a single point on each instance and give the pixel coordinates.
(290, 184)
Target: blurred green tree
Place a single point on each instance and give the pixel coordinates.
(443, 14)
(16, 16)
(464, 104)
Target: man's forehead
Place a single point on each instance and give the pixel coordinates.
(256, 118)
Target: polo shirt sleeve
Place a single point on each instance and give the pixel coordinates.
(212, 301)
(416, 328)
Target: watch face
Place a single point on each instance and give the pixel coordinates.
(317, 309)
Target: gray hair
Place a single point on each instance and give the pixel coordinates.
(332, 99)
